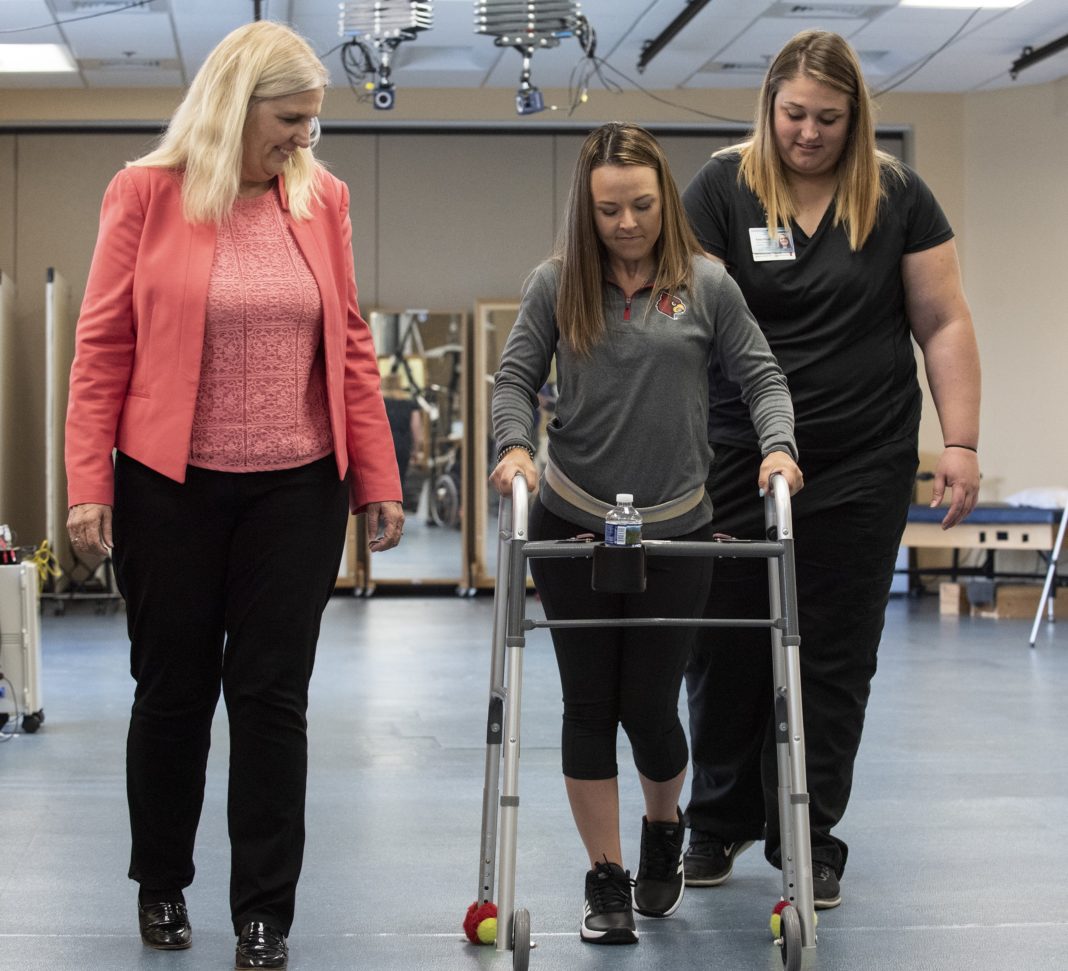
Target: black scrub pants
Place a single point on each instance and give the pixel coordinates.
(225, 578)
(848, 521)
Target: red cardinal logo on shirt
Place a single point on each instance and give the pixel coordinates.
(670, 305)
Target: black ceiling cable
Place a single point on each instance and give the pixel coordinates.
(71, 20)
(671, 104)
(927, 60)
(357, 62)
(587, 67)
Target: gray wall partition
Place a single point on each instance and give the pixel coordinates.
(442, 218)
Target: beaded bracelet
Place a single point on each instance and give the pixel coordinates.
(504, 450)
(970, 448)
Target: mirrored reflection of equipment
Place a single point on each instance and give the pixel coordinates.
(427, 371)
(377, 29)
(528, 25)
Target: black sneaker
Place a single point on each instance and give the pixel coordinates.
(660, 885)
(607, 917)
(826, 891)
(710, 860)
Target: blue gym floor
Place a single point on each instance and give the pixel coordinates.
(958, 826)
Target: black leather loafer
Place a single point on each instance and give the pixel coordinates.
(260, 946)
(165, 926)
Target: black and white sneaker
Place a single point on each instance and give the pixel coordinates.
(710, 860)
(607, 916)
(826, 890)
(660, 885)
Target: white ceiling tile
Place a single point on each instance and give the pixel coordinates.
(452, 55)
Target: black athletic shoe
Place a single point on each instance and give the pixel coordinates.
(659, 888)
(826, 891)
(710, 860)
(608, 917)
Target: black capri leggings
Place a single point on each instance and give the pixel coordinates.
(629, 676)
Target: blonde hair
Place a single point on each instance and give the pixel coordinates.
(828, 59)
(579, 252)
(256, 62)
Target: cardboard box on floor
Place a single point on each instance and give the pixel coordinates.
(1011, 601)
(952, 599)
(1019, 601)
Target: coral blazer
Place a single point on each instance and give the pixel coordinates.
(140, 337)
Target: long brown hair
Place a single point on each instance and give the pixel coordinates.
(579, 252)
(826, 58)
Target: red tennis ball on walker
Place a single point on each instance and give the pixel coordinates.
(776, 920)
(480, 924)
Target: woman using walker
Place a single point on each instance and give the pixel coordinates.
(633, 312)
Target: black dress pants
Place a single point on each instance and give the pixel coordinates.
(225, 578)
(848, 521)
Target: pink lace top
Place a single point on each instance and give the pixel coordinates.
(261, 403)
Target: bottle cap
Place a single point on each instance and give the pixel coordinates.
(624, 499)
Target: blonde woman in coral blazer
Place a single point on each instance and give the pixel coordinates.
(141, 334)
(221, 356)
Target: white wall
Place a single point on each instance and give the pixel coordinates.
(1016, 270)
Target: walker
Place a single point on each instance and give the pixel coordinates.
(500, 805)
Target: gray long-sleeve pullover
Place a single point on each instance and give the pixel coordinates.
(632, 416)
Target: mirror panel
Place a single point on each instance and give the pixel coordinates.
(421, 359)
(493, 322)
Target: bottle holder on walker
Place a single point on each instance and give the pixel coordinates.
(794, 915)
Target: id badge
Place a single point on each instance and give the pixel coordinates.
(767, 247)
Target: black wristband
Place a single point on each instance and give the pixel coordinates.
(970, 448)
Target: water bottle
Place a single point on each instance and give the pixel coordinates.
(623, 524)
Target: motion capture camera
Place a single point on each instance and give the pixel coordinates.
(385, 97)
(529, 101)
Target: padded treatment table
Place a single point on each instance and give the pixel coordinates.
(991, 527)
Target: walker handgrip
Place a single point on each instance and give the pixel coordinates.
(520, 503)
(779, 494)
(520, 491)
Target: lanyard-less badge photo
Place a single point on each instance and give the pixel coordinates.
(768, 247)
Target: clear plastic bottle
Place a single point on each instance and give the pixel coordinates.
(623, 524)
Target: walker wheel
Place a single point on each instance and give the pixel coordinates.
(521, 940)
(791, 939)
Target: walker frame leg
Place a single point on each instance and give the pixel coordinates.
(793, 798)
(495, 716)
(500, 793)
(515, 641)
(500, 801)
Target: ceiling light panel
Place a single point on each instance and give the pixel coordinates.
(820, 11)
(35, 59)
(64, 8)
(963, 4)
